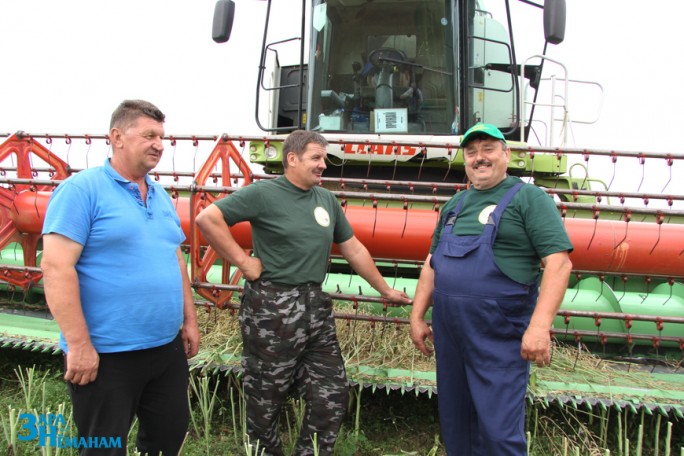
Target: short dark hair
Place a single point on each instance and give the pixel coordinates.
(298, 140)
(129, 111)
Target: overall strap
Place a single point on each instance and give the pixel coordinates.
(452, 215)
(495, 216)
(492, 225)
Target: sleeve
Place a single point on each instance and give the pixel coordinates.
(243, 205)
(343, 229)
(172, 205)
(69, 213)
(544, 225)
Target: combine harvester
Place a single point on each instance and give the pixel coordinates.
(393, 84)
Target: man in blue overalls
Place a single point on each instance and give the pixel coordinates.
(490, 316)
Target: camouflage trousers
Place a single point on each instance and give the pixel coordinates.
(290, 348)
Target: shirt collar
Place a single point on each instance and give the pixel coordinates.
(111, 172)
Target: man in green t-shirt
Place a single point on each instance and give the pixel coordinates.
(287, 322)
(490, 315)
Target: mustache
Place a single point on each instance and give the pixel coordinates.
(481, 163)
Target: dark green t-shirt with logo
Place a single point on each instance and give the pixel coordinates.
(292, 229)
(530, 227)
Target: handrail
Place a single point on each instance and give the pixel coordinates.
(523, 94)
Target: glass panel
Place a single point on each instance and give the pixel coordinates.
(491, 91)
(383, 67)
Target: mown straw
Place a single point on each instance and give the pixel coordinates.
(383, 345)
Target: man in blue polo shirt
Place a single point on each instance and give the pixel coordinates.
(116, 283)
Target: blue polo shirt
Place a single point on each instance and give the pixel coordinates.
(130, 283)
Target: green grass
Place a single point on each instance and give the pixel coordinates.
(378, 423)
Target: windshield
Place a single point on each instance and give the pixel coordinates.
(383, 67)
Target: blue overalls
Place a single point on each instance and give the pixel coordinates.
(478, 319)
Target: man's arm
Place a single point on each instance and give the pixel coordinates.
(359, 258)
(536, 342)
(190, 330)
(422, 300)
(60, 255)
(217, 232)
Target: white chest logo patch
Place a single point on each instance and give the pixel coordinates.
(484, 215)
(322, 216)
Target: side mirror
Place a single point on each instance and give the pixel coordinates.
(224, 12)
(554, 21)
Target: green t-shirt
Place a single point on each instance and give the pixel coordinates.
(292, 229)
(530, 227)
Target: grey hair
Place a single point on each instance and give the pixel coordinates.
(129, 111)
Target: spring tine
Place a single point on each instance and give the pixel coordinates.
(35, 200)
(369, 150)
(89, 142)
(593, 234)
(578, 276)
(659, 221)
(173, 156)
(669, 161)
(422, 160)
(67, 140)
(405, 206)
(342, 148)
(356, 308)
(670, 282)
(48, 141)
(642, 162)
(586, 174)
(375, 216)
(396, 274)
(614, 159)
(624, 287)
(16, 193)
(327, 272)
(647, 279)
(395, 150)
(559, 156)
(656, 345)
(628, 217)
(450, 160)
(602, 279)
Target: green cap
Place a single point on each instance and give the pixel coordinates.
(482, 129)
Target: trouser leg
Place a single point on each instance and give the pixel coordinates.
(163, 412)
(322, 383)
(151, 383)
(456, 412)
(271, 326)
(106, 407)
(499, 399)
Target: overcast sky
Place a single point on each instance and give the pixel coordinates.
(67, 64)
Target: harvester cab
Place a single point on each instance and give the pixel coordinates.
(399, 72)
(429, 67)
